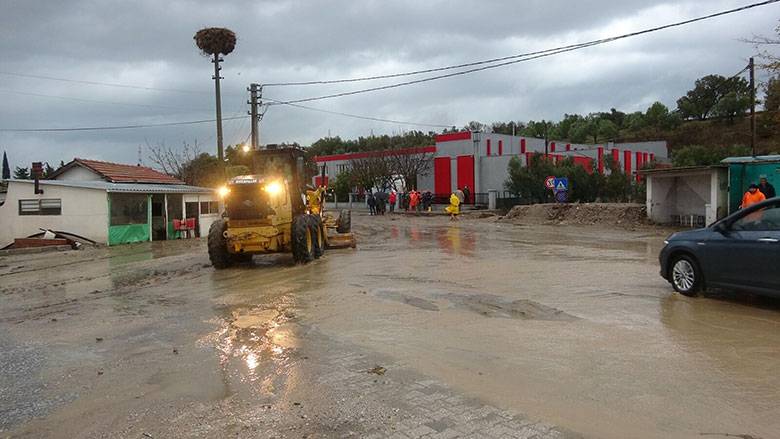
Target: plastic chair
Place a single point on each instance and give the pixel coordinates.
(190, 227)
(177, 228)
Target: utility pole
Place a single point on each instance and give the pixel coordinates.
(253, 112)
(255, 103)
(216, 77)
(752, 68)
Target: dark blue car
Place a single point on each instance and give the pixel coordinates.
(740, 252)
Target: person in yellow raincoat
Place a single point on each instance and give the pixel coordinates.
(454, 208)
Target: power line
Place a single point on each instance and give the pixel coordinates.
(357, 116)
(514, 60)
(95, 101)
(116, 127)
(504, 58)
(106, 84)
(110, 84)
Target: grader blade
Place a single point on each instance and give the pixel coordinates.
(341, 240)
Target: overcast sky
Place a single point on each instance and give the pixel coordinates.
(149, 43)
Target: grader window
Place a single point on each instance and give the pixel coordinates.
(248, 201)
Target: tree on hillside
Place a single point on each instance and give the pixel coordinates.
(6, 169)
(635, 121)
(593, 128)
(564, 127)
(698, 102)
(772, 94)
(715, 95)
(22, 173)
(699, 155)
(735, 102)
(659, 117)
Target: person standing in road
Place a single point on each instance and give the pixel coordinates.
(766, 188)
(466, 193)
(454, 208)
(752, 196)
(371, 201)
(392, 199)
(414, 200)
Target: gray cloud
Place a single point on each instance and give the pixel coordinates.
(150, 43)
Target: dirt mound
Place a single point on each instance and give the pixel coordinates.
(624, 214)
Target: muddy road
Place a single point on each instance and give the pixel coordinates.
(428, 329)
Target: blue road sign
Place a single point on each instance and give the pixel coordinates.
(561, 196)
(561, 184)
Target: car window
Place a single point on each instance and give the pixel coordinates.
(766, 219)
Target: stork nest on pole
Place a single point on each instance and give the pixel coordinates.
(215, 40)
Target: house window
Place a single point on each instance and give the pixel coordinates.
(46, 206)
(209, 207)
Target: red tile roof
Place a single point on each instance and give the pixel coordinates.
(121, 173)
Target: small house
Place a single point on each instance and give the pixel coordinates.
(110, 203)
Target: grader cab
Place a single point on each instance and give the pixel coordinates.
(271, 211)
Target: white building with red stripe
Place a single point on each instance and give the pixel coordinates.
(480, 160)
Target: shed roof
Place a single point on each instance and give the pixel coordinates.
(119, 172)
(680, 169)
(752, 159)
(144, 188)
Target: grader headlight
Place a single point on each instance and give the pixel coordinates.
(273, 188)
(223, 191)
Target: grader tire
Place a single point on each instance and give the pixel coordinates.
(345, 222)
(303, 242)
(218, 254)
(318, 235)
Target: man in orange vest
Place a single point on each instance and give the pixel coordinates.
(752, 196)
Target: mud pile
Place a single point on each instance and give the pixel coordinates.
(623, 214)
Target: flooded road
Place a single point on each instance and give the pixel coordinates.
(428, 329)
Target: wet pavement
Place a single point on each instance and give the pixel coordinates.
(428, 329)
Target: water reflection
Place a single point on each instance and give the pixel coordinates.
(453, 239)
(258, 343)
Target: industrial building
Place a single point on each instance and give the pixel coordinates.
(480, 160)
(109, 203)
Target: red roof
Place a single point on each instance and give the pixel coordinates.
(120, 173)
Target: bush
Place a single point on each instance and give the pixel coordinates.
(585, 185)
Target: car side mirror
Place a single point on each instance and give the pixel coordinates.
(722, 228)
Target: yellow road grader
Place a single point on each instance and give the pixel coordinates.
(272, 211)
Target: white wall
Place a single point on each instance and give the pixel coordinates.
(84, 212)
(79, 173)
(204, 220)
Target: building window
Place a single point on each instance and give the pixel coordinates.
(128, 209)
(209, 207)
(46, 206)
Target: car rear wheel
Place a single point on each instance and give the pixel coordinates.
(685, 275)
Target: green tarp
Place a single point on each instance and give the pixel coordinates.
(128, 233)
